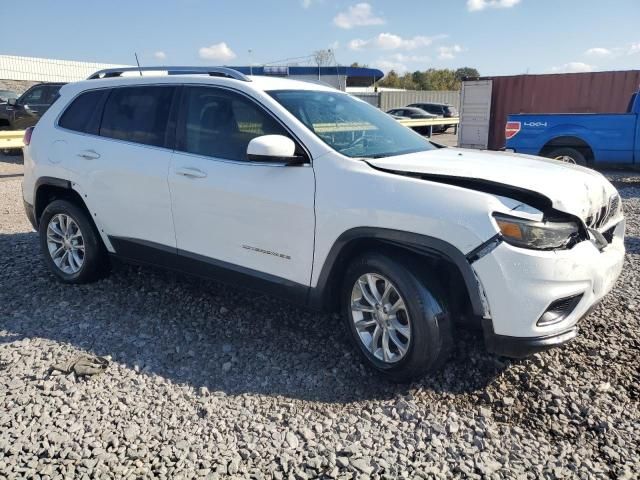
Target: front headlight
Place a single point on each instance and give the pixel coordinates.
(539, 235)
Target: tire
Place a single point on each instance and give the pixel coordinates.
(425, 319)
(81, 265)
(569, 155)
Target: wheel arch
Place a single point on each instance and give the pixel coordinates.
(48, 189)
(409, 247)
(569, 141)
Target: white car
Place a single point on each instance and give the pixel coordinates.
(308, 193)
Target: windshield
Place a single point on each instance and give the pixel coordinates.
(351, 126)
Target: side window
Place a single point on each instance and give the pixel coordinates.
(34, 96)
(78, 115)
(218, 123)
(51, 94)
(137, 114)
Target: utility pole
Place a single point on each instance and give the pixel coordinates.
(250, 63)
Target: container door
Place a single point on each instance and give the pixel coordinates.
(475, 114)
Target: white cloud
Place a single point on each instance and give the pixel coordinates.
(219, 51)
(388, 65)
(389, 41)
(358, 15)
(614, 52)
(449, 52)
(160, 55)
(402, 58)
(306, 3)
(334, 45)
(573, 67)
(477, 5)
(599, 52)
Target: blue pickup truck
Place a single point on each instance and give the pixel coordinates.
(582, 138)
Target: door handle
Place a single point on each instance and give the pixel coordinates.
(89, 155)
(191, 172)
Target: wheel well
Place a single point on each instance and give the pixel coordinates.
(4, 122)
(569, 142)
(429, 266)
(48, 193)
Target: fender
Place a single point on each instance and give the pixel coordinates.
(566, 130)
(417, 243)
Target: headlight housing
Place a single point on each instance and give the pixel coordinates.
(537, 235)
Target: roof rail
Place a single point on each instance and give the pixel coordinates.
(212, 71)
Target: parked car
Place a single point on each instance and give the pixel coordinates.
(410, 112)
(25, 111)
(440, 109)
(303, 191)
(5, 95)
(582, 138)
(415, 113)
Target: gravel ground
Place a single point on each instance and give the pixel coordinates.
(209, 381)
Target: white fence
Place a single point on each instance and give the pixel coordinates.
(47, 70)
(388, 100)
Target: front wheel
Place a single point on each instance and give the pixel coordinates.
(398, 322)
(72, 249)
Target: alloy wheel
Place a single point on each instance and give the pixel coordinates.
(380, 317)
(65, 243)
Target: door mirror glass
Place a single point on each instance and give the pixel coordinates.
(273, 148)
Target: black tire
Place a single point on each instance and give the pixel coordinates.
(430, 325)
(569, 155)
(95, 263)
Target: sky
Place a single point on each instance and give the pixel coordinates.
(498, 37)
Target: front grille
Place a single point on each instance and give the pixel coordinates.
(559, 310)
(606, 213)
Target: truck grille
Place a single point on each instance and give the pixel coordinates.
(606, 213)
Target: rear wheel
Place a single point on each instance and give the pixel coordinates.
(70, 244)
(398, 322)
(569, 155)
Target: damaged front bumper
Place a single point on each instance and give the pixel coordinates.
(521, 285)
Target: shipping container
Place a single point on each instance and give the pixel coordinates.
(593, 92)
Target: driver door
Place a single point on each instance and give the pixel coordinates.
(247, 217)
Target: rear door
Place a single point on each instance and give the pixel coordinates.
(248, 217)
(123, 169)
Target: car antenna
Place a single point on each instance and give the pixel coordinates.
(139, 69)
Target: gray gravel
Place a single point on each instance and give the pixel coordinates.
(209, 381)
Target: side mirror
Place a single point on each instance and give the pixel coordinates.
(274, 148)
(12, 102)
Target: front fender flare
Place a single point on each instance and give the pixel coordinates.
(417, 243)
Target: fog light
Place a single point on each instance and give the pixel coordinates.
(559, 310)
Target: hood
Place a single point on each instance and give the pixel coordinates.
(540, 182)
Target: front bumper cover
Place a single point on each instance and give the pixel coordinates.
(522, 347)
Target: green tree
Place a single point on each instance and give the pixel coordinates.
(431, 79)
(466, 72)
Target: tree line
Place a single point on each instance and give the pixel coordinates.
(431, 79)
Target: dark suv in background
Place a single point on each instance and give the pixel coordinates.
(440, 109)
(25, 111)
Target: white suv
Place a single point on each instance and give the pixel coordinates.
(308, 193)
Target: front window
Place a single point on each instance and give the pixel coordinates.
(350, 126)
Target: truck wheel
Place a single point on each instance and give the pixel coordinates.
(569, 155)
(70, 243)
(398, 322)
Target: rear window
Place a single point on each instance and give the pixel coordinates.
(78, 115)
(452, 110)
(137, 114)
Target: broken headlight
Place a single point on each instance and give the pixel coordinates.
(538, 235)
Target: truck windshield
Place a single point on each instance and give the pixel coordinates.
(351, 126)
